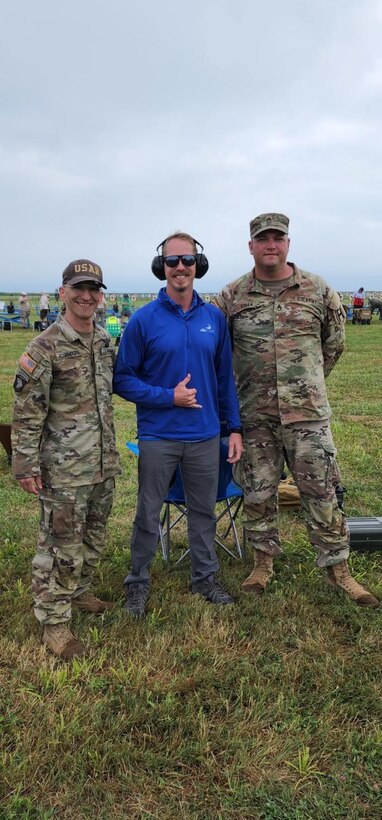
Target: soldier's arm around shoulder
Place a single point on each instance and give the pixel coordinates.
(333, 329)
(220, 301)
(31, 404)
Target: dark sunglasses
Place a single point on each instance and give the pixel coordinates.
(86, 286)
(187, 259)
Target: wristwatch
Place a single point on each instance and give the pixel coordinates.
(236, 430)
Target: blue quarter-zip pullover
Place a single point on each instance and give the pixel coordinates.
(159, 346)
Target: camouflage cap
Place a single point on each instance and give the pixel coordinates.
(268, 222)
(82, 270)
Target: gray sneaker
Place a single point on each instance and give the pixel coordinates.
(137, 595)
(212, 591)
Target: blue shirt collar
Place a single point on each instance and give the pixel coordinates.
(195, 300)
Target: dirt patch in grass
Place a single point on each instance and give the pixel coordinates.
(370, 420)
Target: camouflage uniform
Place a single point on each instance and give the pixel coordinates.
(63, 430)
(285, 342)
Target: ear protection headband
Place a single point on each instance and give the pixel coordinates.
(201, 262)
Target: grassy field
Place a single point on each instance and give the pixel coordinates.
(269, 709)
(34, 302)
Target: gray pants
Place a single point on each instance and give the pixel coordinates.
(199, 464)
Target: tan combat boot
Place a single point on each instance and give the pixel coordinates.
(260, 575)
(339, 576)
(87, 602)
(61, 642)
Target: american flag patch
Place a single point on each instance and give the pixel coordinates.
(27, 363)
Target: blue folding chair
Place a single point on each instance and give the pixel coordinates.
(229, 497)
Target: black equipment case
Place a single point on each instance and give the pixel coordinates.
(365, 533)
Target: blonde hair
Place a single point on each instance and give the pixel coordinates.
(179, 235)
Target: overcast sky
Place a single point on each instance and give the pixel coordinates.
(122, 121)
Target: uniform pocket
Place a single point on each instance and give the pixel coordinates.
(43, 562)
(62, 521)
(56, 521)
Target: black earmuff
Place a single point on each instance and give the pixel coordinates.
(157, 265)
(201, 261)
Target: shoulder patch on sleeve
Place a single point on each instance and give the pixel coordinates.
(336, 307)
(27, 363)
(334, 301)
(20, 381)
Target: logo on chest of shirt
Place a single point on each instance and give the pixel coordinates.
(207, 329)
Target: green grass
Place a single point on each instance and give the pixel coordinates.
(270, 709)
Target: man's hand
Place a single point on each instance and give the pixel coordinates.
(184, 396)
(31, 484)
(235, 448)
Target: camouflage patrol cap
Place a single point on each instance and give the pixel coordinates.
(268, 222)
(82, 270)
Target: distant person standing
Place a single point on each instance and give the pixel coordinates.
(126, 306)
(101, 311)
(57, 295)
(10, 307)
(24, 308)
(358, 298)
(44, 308)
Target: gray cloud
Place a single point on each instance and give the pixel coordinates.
(121, 122)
